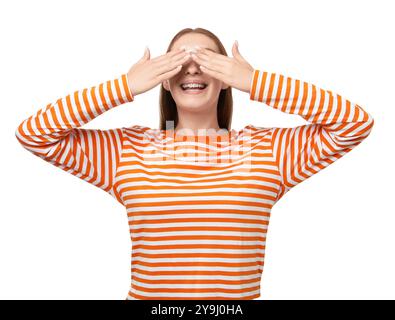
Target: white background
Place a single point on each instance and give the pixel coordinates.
(331, 237)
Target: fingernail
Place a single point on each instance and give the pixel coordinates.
(237, 43)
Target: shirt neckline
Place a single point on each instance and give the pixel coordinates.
(208, 137)
(171, 145)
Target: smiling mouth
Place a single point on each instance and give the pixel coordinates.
(194, 87)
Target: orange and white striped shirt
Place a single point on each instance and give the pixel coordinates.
(198, 206)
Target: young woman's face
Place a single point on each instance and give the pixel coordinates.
(196, 100)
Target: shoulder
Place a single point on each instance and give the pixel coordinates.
(144, 133)
(136, 131)
(255, 131)
(137, 127)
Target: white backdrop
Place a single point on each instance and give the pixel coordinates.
(331, 237)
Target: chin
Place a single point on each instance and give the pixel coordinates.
(198, 106)
(194, 102)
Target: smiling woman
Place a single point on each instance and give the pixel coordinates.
(199, 205)
(209, 106)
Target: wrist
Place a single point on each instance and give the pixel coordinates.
(129, 85)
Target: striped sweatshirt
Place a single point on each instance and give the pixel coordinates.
(198, 207)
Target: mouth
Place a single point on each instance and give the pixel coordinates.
(193, 87)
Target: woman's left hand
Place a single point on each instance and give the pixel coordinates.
(235, 72)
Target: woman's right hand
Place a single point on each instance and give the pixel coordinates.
(148, 73)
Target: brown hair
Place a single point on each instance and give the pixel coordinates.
(168, 108)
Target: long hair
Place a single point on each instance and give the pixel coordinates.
(167, 105)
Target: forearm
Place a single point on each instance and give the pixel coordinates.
(314, 104)
(55, 121)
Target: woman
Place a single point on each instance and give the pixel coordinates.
(198, 194)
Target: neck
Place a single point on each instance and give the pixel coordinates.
(197, 122)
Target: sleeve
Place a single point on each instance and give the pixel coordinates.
(54, 133)
(335, 127)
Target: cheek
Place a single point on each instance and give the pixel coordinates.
(215, 82)
(172, 85)
(216, 85)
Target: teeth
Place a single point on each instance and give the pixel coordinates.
(193, 85)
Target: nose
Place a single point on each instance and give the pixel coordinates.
(191, 65)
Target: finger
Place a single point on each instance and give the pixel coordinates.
(179, 58)
(213, 58)
(212, 55)
(165, 66)
(236, 53)
(209, 63)
(171, 62)
(213, 73)
(176, 52)
(220, 63)
(145, 55)
(169, 55)
(169, 74)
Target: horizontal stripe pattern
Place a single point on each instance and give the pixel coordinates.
(198, 207)
(336, 126)
(53, 133)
